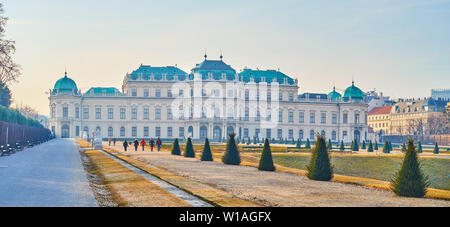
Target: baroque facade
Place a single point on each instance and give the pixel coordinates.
(211, 101)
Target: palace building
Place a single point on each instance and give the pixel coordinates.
(211, 101)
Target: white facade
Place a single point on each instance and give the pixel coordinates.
(144, 109)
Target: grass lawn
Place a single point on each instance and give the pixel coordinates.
(380, 168)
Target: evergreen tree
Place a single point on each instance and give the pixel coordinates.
(254, 140)
(248, 140)
(410, 181)
(419, 147)
(292, 140)
(352, 146)
(342, 148)
(5, 95)
(436, 149)
(376, 145)
(308, 144)
(231, 156)
(363, 145)
(355, 146)
(299, 144)
(329, 145)
(176, 148)
(189, 151)
(386, 147)
(266, 161)
(285, 141)
(403, 147)
(390, 146)
(207, 155)
(370, 149)
(319, 167)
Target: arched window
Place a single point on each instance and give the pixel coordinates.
(322, 133)
(122, 131)
(110, 131)
(311, 134)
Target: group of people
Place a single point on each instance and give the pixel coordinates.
(136, 144)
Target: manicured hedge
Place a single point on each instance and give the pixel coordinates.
(14, 117)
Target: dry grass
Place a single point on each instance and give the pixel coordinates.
(207, 192)
(129, 188)
(83, 143)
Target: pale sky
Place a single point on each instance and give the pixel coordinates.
(399, 47)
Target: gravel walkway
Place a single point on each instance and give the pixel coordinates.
(278, 189)
(50, 174)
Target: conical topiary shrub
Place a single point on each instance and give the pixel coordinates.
(319, 167)
(207, 155)
(342, 148)
(410, 180)
(363, 145)
(176, 148)
(370, 148)
(308, 144)
(355, 146)
(390, 146)
(266, 161)
(386, 147)
(419, 148)
(231, 156)
(189, 151)
(376, 145)
(329, 145)
(436, 149)
(299, 144)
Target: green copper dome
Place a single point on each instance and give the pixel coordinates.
(65, 85)
(353, 93)
(334, 95)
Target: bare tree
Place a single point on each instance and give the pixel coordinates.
(28, 111)
(9, 70)
(437, 124)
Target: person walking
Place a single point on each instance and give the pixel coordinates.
(136, 144)
(125, 145)
(109, 141)
(114, 141)
(152, 143)
(158, 143)
(143, 144)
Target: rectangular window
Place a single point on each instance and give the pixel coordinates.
(85, 113)
(122, 113)
(134, 113)
(334, 118)
(312, 117)
(291, 117)
(134, 131)
(146, 132)
(344, 134)
(169, 93)
(280, 116)
(280, 98)
(291, 97)
(146, 114)
(98, 113)
(269, 97)
(301, 117)
(323, 118)
(180, 93)
(181, 132)
(280, 133)
(269, 133)
(158, 93)
(110, 113)
(122, 131)
(356, 118)
(134, 92)
(258, 116)
(65, 111)
(77, 131)
(245, 132)
(158, 131)
(345, 118)
(169, 132)
(257, 131)
(291, 133)
(146, 92)
(158, 114)
(53, 111)
(246, 116)
(77, 112)
(169, 114)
